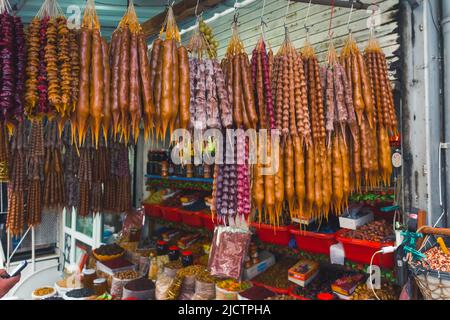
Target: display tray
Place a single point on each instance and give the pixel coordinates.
(171, 214)
(296, 296)
(153, 210)
(313, 241)
(271, 234)
(362, 251)
(208, 220)
(191, 218)
(273, 289)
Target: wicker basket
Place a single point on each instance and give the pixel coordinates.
(433, 285)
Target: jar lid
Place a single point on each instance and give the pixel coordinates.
(173, 248)
(88, 271)
(186, 253)
(325, 296)
(99, 281)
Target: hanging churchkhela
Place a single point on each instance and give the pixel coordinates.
(36, 154)
(52, 67)
(340, 123)
(54, 195)
(130, 95)
(209, 106)
(12, 69)
(238, 75)
(17, 185)
(71, 165)
(89, 109)
(12, 80)
(384, 115)
(169, 79)
(365, 143)
(317, 193)
(232, 186)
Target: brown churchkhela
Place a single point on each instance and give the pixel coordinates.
(169, 80)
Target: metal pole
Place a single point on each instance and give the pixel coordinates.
(8, 245)
(446, 66)
(422, 112)
(33, 250)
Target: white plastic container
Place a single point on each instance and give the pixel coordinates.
(267, 260)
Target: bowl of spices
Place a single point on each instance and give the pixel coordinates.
(80, 294)
(108, 252)
(141, 289)
(43, 293)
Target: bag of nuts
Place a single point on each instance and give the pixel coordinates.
(120, 279)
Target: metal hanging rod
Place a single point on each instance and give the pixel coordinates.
(357, 5)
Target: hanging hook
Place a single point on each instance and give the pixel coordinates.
(196, 9)
(236, 13)
(350, 17)
(372, 18)
(305, 24)
(330, 32)
(285, 15)
(262, 12)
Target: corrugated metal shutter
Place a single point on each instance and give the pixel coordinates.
(249, 27)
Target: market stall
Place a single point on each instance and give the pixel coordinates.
(269, 160)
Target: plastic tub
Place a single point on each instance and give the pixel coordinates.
(153, 210)
(271, 234)
(313, 241)
(362, 251)
(171, 214)
(191, 218)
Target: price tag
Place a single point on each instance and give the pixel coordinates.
(396, 160)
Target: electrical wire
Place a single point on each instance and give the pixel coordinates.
(438, 29)
(370, 273)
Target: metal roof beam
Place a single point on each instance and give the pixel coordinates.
(339, 3)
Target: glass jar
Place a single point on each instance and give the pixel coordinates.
(88, 278)
(153, 270)
(187, 259)
(161, 248)
(164, 169)
(100, 286)
(189, 171)
(174, 253)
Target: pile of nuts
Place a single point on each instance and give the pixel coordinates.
(43, 291)
(375, 231)
(127, 275)
(438, 260)
(363, 292)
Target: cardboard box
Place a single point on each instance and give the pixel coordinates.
(303, 272)
(346, 286)
(116, 265)
(266, 260)
(347, 222)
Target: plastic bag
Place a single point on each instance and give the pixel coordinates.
(163, 283)
(229, 248)
(117, 286)
(204, 291)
